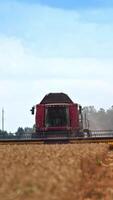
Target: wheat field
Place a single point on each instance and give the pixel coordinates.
(48, 172)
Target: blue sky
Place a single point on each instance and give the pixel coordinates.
(54, 46)
(72, 4)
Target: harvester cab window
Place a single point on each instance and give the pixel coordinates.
(56, 116)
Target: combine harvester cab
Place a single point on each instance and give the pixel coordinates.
(57, 116)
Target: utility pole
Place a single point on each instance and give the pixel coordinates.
(3, 119)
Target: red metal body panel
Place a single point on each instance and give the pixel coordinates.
(40, 116)
(74, 116)
(73, 119)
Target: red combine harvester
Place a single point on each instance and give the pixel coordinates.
(57, 116)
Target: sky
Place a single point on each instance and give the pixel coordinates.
(54, 46)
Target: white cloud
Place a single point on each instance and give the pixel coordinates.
(19, 62)
(57, 32)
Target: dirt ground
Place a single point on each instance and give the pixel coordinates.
(53, 172)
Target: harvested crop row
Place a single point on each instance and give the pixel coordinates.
(48, 172)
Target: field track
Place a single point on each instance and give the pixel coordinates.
(108, 140)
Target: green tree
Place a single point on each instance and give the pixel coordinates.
(20, 132)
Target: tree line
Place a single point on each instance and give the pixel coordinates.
(20, 133)
(99, 119)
